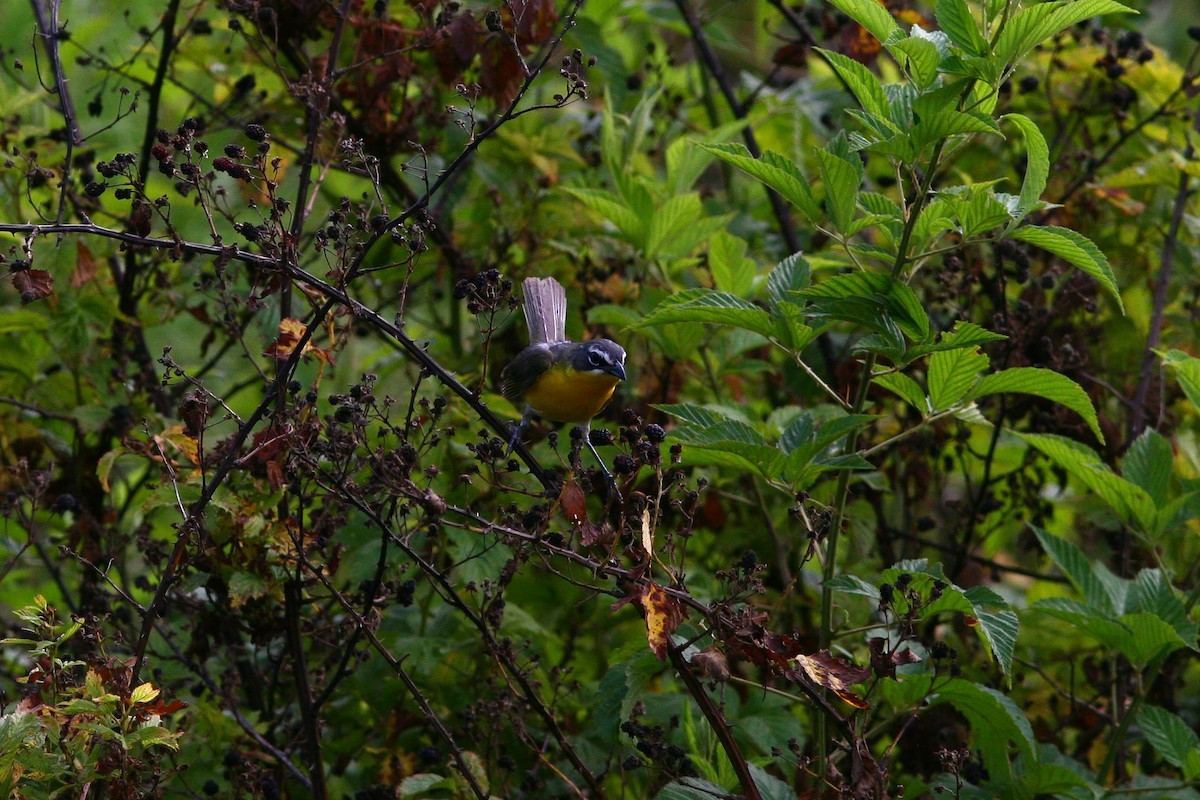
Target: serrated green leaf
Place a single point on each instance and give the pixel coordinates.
(1152, 592)
(841, 188)
(1127, 499)
(792, 330)
(995, 720)
(1043, 383)
(863, 84)
(932, 127)
(789, 275)
(952, 373)
(1150, 636)
(981, 213)
(690, 789)
(870, 14)
(614, 210)
(1031, 26)
(1172, 738)
(777, 172)
(694, 414)
(907, 388)
(717, 308)
(732, 272)
(1148, 463)
(959, 24)
(918, 57)
(852, 584)
(964, 334)
(998, 624)
(669, 220)
(1077, 250)
(879, 294)
(1187, 372)
(1037, 169)
(1075, 565)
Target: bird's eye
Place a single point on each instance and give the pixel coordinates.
(595, 358)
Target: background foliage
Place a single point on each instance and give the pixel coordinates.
(908, 454)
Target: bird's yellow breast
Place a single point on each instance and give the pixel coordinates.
(565, 395)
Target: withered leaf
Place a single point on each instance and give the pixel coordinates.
(835, 675)
(33, 284)
(85, 266)
(290, 333)
(884, 662)
(663, 615)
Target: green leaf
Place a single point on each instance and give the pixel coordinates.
(612, 209)
(1187, 372)
(998, 624)
(959, 24)
(940, 124)
(1152, 592)
(841, 188)
(1077, 250)
(907, 388)
(1127, 499)
(878, 293)
(1149, 637)
(1172, 738)
(1075, 565)
(670, 220)
(789, 275)
(732, 272)
(717, 308)
(995, 720)
(964, 334)
(1043, 383)
(775, 171)
(981, 213)
(1148, 464)
(1033, 25)
(690, 789)
(694, 414)
(1037, 169)
(870, 14)
(952, 373)
(918, 57)
(863, 84)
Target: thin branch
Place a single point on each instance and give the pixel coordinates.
(1166, 261)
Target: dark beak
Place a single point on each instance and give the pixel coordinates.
(618, 370)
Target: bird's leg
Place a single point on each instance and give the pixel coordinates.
(528, 415)
(587, 439)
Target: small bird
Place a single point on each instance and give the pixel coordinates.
(561, 380)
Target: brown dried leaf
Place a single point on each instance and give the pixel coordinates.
(884, 662)
(33, 284)
(711, 663)
(834, 674)
(85, 266)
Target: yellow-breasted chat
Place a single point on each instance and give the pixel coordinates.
(556, 378)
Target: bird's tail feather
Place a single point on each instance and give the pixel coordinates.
(545, 310)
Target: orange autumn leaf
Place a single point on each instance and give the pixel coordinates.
(291, 331)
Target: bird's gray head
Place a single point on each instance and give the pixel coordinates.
(600, 356)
